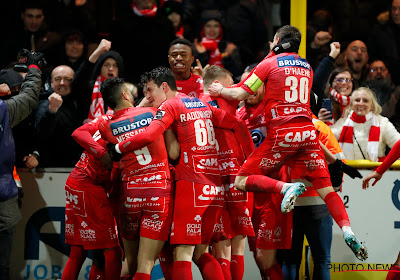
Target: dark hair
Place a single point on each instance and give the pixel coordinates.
(336, 108)
(213, 73)
(288, 32)
(183, 42)
(111, 90)
(32, 5)
(159, 75)
(321, 20)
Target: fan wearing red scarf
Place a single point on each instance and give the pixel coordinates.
(291, 136)
(364, 133)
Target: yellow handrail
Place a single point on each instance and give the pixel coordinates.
(365, 164)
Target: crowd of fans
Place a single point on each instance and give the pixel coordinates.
(355, 91)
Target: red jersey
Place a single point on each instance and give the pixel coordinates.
(89, 165)
(143, 170)
(192, 87)
(230, 153)
(193, 123)
(254, 118)
(288, 80)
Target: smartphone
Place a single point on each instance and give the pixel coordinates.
(327, 104)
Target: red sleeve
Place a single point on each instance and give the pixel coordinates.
(84, 137)
(393, 155)
(224, 120)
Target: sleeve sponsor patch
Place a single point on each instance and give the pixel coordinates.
(159, 115)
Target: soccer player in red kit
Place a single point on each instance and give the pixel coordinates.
(145, 199)
(89, 219)
(273, 229)
(237, 215)
(198, 195)
(181, 57)
(291, 137)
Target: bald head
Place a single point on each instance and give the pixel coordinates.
(61, 79)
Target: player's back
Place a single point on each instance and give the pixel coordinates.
(288, 80)
(194, 130)
(145, 168)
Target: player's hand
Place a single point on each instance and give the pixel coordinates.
(215, 89)
(114, 155)
(324, 115)
(55, 102)
(4, 90)
(335, 49)
(373, 174)
(320, 39)
(107, 161)
(30, 161)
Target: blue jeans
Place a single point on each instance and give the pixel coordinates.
(319, 236)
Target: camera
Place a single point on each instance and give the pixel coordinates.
(22, 60)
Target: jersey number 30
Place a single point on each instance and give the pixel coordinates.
(298, 89)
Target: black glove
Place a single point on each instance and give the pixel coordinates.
(338, 165)
(36, 59)
(114, 155)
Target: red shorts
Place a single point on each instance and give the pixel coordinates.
(89, 219)
(148, 217)
(294, 144)
(197, 215)
(238, 211)
(273, 228)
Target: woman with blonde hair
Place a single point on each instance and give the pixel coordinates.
(363, 133)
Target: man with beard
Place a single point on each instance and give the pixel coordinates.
(380, 81)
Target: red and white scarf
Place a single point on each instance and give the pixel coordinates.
(343, 100)
(97, 102)
(346, 137)
(146, 12)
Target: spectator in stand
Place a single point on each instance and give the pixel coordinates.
(356, 59)
(363, 133)
(384, 40)
(101, 65)
(74, 50)
(131, 37)
(173, 10)
(213, 49)
(26, 154)
(12, 112)
(56, 119)
(380, 81)
(319, 34)
(32, 35)
(322, 72)
(339, 88)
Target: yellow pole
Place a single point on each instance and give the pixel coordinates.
(298, 18)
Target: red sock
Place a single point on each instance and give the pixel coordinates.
(226, 268)
(237, 267)
(336, 209)
(166, 259)
(209, 267)
(112, 263)
(74, 264)
(182, 270)
(273, 273)
(141, 276)
(96, 273)
(261, 183)
(394, 273)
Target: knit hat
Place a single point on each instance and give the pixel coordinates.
(10, 77)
